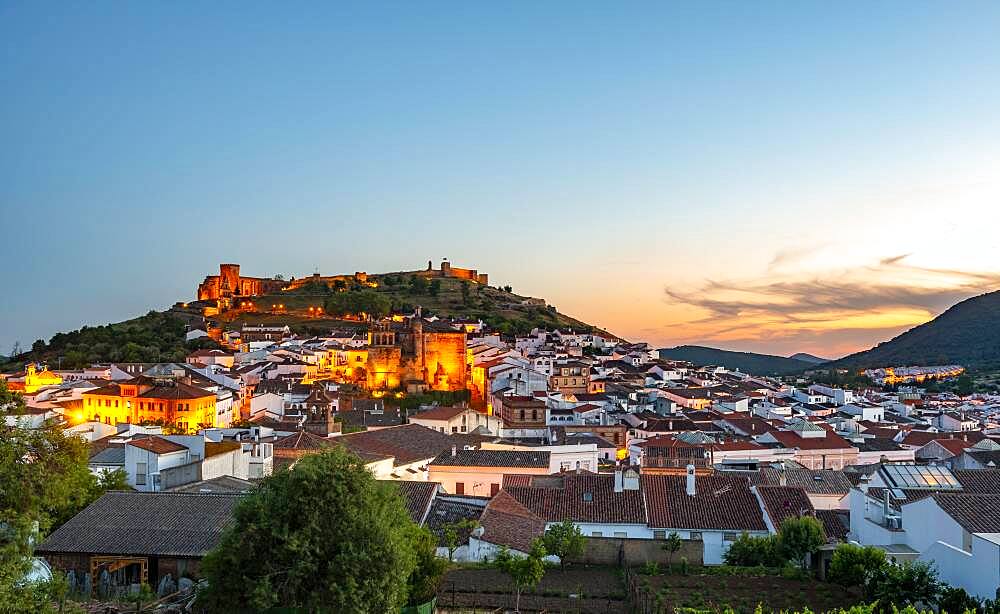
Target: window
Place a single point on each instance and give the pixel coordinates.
(494, 489)
(459, 488)
(588, 497)
(140, 474)
(729, 537)
(659, 535)
(597, 534)
(454, 429)
(695, 536)
(621, 534)
(564, 466)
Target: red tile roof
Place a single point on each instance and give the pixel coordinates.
(581, 497)
(719, 503)
(784, 502)
(157, 445)
(506, 522)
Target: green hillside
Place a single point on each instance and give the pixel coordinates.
(967, 334)
(747, 362)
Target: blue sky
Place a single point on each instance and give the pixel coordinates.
(632, 163)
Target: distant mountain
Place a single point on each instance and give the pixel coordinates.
(747, 362)
(967, 334)
(808, 358)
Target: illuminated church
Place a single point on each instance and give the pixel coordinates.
(416, 355)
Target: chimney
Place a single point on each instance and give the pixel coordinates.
(619, 482)
(454, 451)
(782, 478)
(690, 481)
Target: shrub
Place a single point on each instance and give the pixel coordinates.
(753, 551)
(856, 565)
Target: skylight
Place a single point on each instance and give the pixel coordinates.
(920, 476)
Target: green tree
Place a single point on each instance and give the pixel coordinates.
(856, 565)
(455, 533)
(672, 546)
(418, 284)
(955, 600)
(564, 540)
(524, 572)
(323, 536)
(800, 537)
(363, 302)
(908, 584)
(434, 288)
(755, 551)
(423, 582)
(465, 292)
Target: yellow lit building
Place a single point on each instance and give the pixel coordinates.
(34, 379)
(144, 399)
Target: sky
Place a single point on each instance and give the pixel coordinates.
(766, 176)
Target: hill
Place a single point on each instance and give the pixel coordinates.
(500, 308)
(808, 358)
(967, 334)
(159, 336)
(747, 362)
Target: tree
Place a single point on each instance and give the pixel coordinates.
(508, 289)
(856, 565)
(44, 481)
(800, 537)
(418, 284)
(955, 600)
(324, 535)
(423, 583)
(564, 540)
(911, 583)
(465, 293)
(524, 572)
(755, 551)
(363, 302)
(456, 533)
(671, 546)
(434, 288)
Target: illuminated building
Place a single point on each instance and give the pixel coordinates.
(229, 284)
(417, 355)
(144, 399)
(34, 379)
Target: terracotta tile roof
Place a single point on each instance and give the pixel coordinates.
(176, 391)
(981, 481)
(506, 522)
(835, 523)
(581, 497)
(439, 413)
(492, 458)
(408, 443)
(831, 441)
(156, 445)
(818, 482)
(953, 446)
(418, 497)
(213, 449)
(976, 513)
(720, 503)
(138, 523)
(302, 440)
(921, 438)
(784, 502)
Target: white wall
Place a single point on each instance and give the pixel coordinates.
(978, 572)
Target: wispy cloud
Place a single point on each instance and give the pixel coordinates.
(824, 312)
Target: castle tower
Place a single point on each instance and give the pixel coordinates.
(229, 279)
(417, 329)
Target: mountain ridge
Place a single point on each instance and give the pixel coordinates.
(748, 362)
(967, 333)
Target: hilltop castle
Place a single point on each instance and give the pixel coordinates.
(229, 284)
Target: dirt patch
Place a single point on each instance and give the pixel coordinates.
(665, 593)
(587, 590)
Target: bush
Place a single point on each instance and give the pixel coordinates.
(753, 551)
(855, 565)
(955, 600)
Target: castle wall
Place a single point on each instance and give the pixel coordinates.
(445, 351)
(384, 367)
